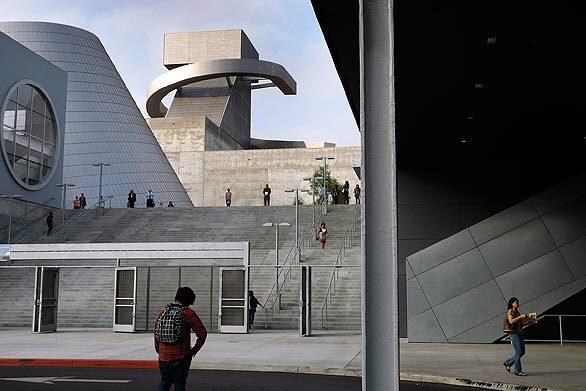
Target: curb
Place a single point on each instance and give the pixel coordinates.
(77, 363)
(353, 372)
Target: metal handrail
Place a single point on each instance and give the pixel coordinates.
(346, 243)
(291, 255)
(561, 339)
(37, 207)
(95, 207)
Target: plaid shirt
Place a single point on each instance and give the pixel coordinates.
(182, 349)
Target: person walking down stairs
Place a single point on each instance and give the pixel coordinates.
(253, 303)
(321, 235)
(49, 222)
(228, 197)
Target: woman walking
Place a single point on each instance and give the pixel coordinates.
(322, 232)
(513, 325)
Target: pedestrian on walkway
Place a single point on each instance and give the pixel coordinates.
(321, 234)
(357, 191)
(49, 222)
(253, 303)
(228, 197)
(170, 205)
(76, 203)
(346, 192)
(150, 199)
(82, 201)
(267, 195)
(173, 340)
(131, 199)
(335, 195)
(513, 325)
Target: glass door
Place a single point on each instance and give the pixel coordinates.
(233, 300)
(46, 299)
(125, 300)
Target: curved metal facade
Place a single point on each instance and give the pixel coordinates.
(103, 123)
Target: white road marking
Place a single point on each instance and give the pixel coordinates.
(70, 379)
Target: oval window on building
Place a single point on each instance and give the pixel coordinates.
(29, 135)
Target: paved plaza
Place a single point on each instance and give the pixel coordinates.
(549, 366)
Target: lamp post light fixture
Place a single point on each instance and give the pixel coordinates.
(296, 191)
(101, 165)
(312, 179)
(64, 186)
(325, 176)
(277, 225)
(12, 197)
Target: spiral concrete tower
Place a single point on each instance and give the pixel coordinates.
(103, 123)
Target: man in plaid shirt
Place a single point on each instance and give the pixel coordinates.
(175, 359)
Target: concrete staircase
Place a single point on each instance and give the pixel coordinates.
(90, 291)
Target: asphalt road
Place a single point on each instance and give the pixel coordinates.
(33, 378)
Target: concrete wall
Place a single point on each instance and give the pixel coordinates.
(18, 63)
(192, 47)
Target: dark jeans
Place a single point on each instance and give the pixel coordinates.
(174, 372)
(50, 229)
(357, 200)
(251, 313)
(519, 346)
(267, 200)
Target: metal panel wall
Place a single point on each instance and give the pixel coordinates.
(536, 250)
(103, 122)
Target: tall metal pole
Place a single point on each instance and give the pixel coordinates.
(325, 196)
(277, 263)
(297, 220)
(100, 188)
(313, 201)
(63, 206)
(380, 337)
(10, 220)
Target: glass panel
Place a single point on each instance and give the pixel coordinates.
(8, 135)
(48, 315)
(21, 150)
(233, 303)
(123, 315)
(10, 114)
(49, 277)
(50, 134)
(46, 170)
(20, 118)
(38, 102)
(14, 96)
(125, 283)
(37, 124)
(25, 93)
(232, 284)
(232, 317)
(20, 169)
(124, 301)
(34, 173)
(35, 152)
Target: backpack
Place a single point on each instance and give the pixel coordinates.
(171, 326)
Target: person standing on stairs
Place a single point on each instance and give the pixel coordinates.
(131, 199)
(82, 201)
(49, 222)
(357, 194)
(228, 197)
(267, 195)
(253, 303)
(321, 234)
(150, 200)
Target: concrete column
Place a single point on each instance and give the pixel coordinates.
(380, 325)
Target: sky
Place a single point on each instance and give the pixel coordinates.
(283, 31)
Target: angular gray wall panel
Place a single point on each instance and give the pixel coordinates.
(470, 309)
(95, 131)
(428, 221)
(568, 222)
(535, 278)
(502, 222)
(425, 327)
(524, 261)
(462, 273)
(416, 301)
(516, 247)
(442, 251)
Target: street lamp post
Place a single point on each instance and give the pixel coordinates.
(312, 179)
(277, 225)
(12, 197)
(64, 186)
(325, 176)
(101, 165)
(296, 191)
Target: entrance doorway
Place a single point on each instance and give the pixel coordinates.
(46, 299)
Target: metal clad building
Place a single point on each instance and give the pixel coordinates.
(103, 122)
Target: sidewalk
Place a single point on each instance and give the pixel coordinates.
(549, 365)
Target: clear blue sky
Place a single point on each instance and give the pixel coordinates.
(283, 31)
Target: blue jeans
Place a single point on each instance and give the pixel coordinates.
(174, 372)
(519, 346)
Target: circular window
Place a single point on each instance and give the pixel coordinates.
(29, 135)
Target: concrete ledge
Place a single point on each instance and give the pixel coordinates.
(420, 377)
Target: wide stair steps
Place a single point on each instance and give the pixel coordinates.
(91, 290)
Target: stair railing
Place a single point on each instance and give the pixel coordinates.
(346, 243)
(97, 209)
(27, 214)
